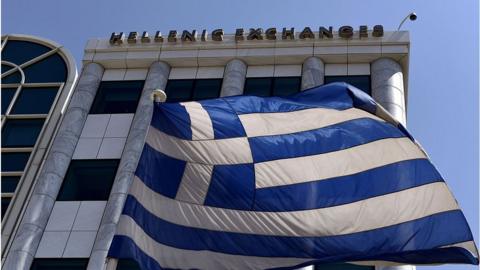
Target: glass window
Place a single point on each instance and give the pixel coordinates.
(179, 90)
(206, 89)
(127, 264)
(15, 77)
(50, 69)
(258, 87)
(9, 183)
(343, 266)
(14, 162)
(59, 264)
(35, 100)
(5, 204)
(88, 180)
(6, 68)
(21, 132)
(19, 52)
(7, 96)
(362, 82)
(117, 97)
(284, 86)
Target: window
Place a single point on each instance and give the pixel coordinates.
(19, 52)
(88, 180)
(190, 89)
(343, 266)
(127, 264)
(9, 183)
(59, 264)
(14, 162)
(15, 77)
(362, 82)
(50, 69)
(35, 100)
(276, 86)
(117, 97)
(21, 132)
(7, 96)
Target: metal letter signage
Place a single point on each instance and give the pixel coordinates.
(345, 32)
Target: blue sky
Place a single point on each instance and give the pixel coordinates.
(444, 73)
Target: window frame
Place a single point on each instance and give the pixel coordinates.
(194, 83)
(273, 82)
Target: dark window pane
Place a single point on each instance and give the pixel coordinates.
(19, 52)
(258, 87)
(284, 86)
(13, 162)
(50, 69)
(207, 88)
(88, 180)
(21, 132)
(34, 100)
(7, 95)
(59, 264)
(117, 97)
(362, 82)
(15, 77)
(9, 183)
(6, 68)
(5, 204)
(343, 266)
(179, 90)
(127, 264)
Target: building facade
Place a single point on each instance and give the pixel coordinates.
(72, 211)
(38, 76)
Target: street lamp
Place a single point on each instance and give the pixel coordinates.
(412, 16)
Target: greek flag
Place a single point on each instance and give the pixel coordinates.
(323, 176)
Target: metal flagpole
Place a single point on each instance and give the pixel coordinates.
(158, 95)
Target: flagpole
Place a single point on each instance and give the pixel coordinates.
(158, 95)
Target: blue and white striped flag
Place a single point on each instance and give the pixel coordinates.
(322, 176)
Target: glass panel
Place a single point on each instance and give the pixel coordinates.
(179, 90)
(15, 77)
(19, 52)
(362, 82)
(50, 69)
(7, 95)
(6, 68)
(284, 86)
(59, 264)
(35, 100)
(127, 264)
(342, 266)
(88, 180)
(5, 204)
(258, 87)
(205, 89)
(21, 132)
(9, 183)
(117, 97)
(13, 162)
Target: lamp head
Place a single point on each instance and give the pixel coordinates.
(412, 16)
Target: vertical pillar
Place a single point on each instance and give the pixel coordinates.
(157, 78)
(234, 78)
(313, 72)
(387, 87)
(48, 184)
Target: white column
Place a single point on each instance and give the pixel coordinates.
(234, 78)
(313, 72)
(387, 87)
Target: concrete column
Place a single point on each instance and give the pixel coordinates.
(387, 87)
(157, 78)
(48, 184)
(313, 72)
(234, 78)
